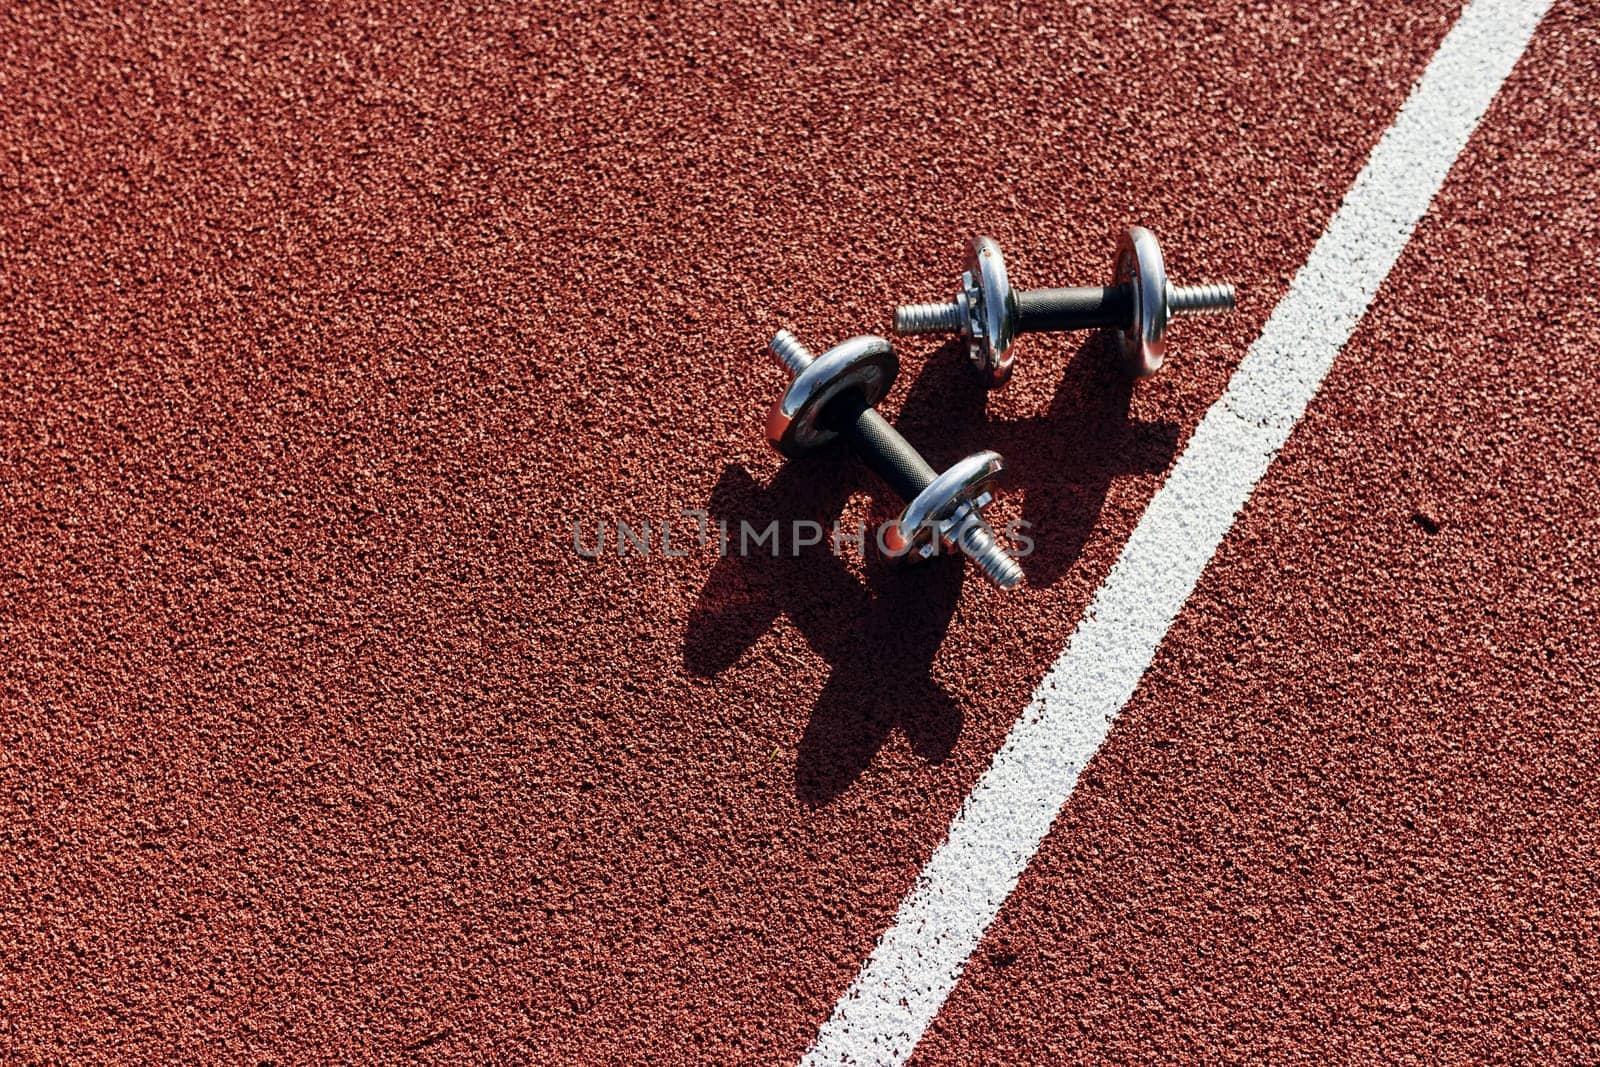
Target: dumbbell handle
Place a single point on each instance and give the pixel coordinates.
(879, 444)
(1089, 307)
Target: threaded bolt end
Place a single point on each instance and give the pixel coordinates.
(1200, 299)
(927, 318)
(977, 540)
(790, 351)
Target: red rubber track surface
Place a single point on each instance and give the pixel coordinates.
(319, 331)
(1350, 815)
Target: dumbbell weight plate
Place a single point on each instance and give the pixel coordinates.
(795, 426)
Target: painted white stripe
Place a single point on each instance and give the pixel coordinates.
(905, 981)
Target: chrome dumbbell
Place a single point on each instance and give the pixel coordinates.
(832, 396)
(1137, 305)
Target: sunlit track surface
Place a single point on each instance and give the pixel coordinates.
(320, 742)
(1005, 819)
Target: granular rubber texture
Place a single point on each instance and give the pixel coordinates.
(337, 722)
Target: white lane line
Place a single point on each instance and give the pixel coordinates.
(905, 981)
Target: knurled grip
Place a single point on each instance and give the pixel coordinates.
(879, 444)
(1089, 307)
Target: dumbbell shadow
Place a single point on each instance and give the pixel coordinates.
(1060, 464)
(879, 639)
